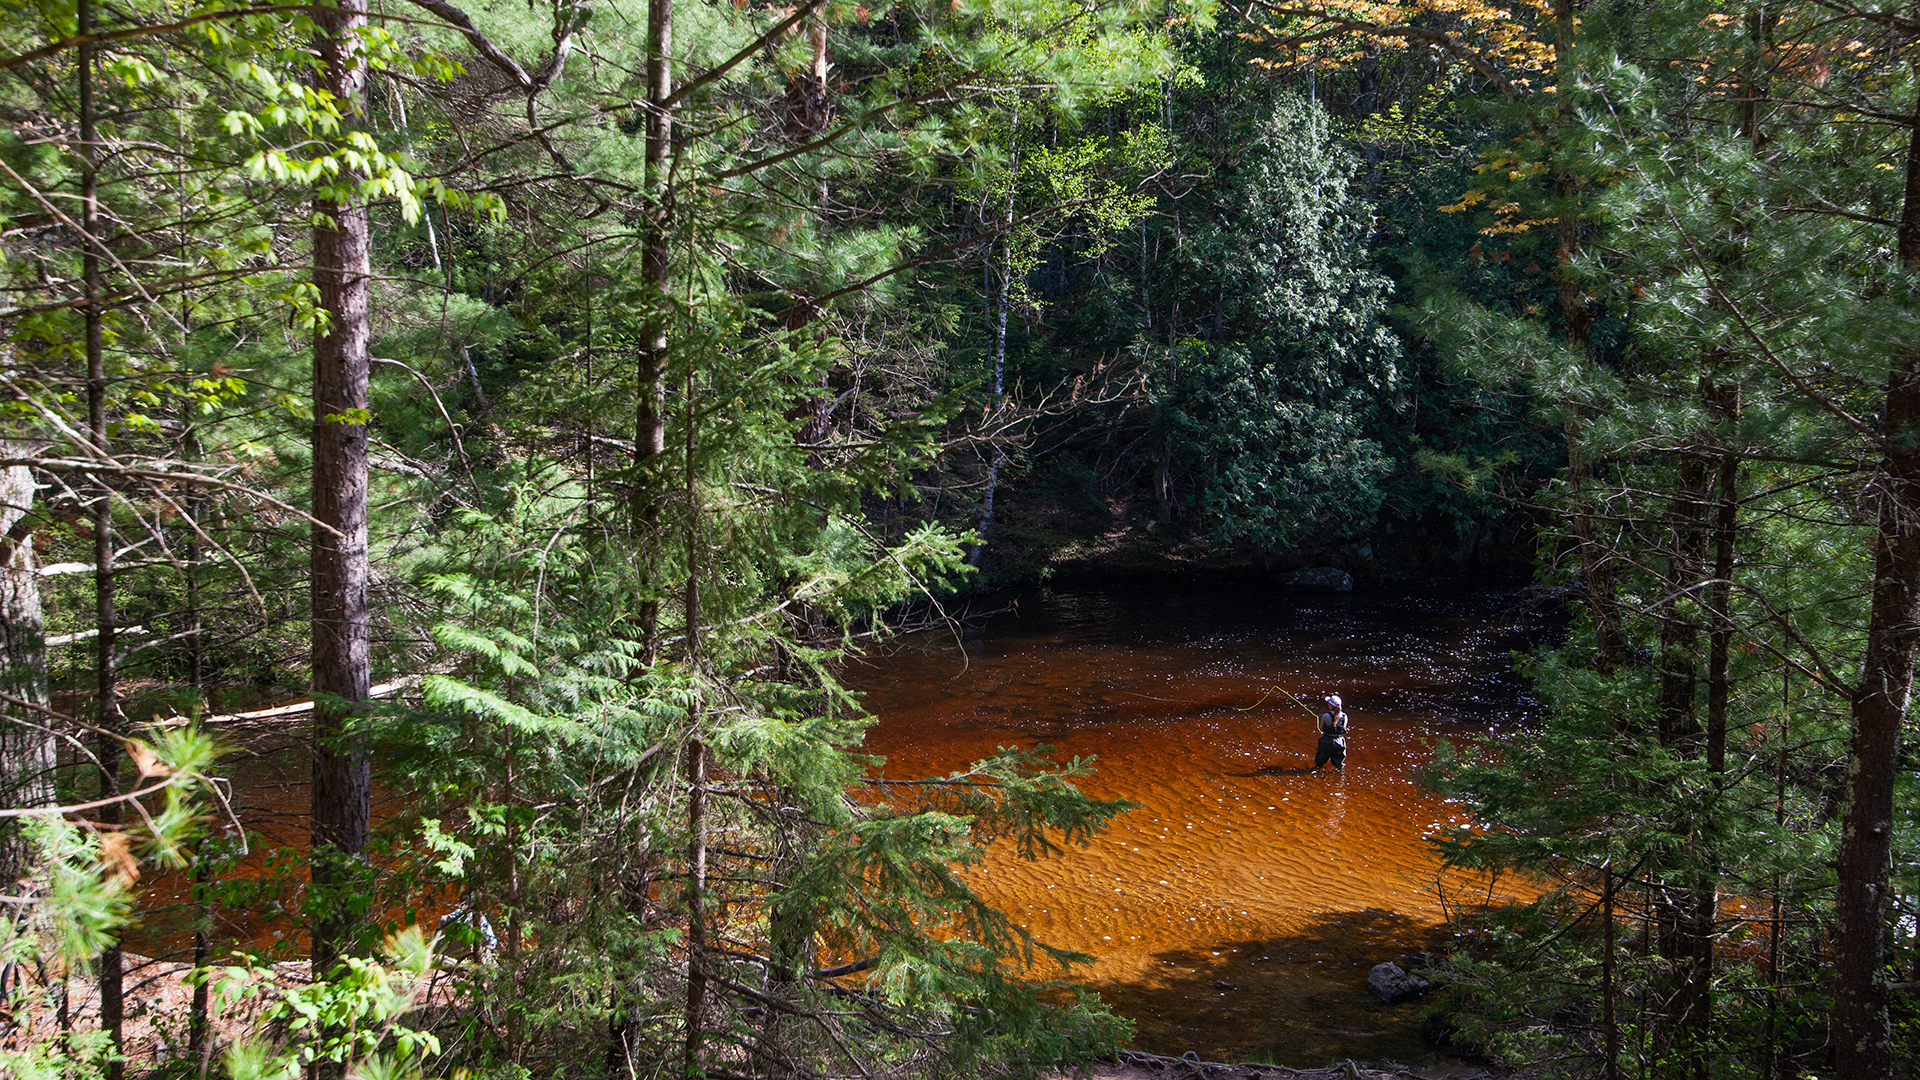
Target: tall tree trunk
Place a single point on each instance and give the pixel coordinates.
(650, 421)
(515, 1021)
(1609, 1022)
(808, 110)
(696, 1004)
(1697, 1016)
(635, 880)
(199, 1045)
(106, 707)
(1862, 1023)
(1686, 920)
(997, 395)
(26, 746)
(342, 778)
(790, 917)
(808, 113)
(1679, 660)
(647, 493)
(792, 929)
(998, 286)
(195, 618)
(1777, 1065)
(1720, 595)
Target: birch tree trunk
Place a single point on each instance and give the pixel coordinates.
(26, 746)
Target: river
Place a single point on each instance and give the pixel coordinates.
(1236, 913)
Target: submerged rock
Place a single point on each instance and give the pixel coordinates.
(1331, 578)
(1390, 983)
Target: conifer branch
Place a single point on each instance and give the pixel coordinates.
(719, 71)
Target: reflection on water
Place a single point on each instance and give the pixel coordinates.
(1238, 910)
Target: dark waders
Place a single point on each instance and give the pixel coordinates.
(1331, 749)
(1333, 741)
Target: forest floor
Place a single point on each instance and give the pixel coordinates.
(1136, 1066)
(157, 998)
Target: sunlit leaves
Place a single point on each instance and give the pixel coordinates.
(354, 1019)
(1332, 34)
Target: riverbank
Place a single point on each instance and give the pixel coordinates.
(1038, 539)
(1136, 1066)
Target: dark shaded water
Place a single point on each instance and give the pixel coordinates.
(1237, 912)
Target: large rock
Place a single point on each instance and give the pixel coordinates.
(1390, 983)
(1330, 578)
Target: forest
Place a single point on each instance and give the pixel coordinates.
(532, 410)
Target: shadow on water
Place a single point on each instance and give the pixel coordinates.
(1280, 770)
(1297, 999)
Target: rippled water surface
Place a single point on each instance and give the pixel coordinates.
(1238, 910)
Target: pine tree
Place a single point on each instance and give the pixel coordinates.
(1267, 426)
(1732, 227)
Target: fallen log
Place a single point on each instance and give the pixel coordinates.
(298, 708)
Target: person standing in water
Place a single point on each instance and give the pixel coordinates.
(1333, 736)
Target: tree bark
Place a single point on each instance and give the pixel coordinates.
(199, 1046)
(790, 915)
(808, 110)
(998, 286)
(635, 880)
(342, 777)
(195, 618)
(1681, 1034)
(650, 421)
(696, 1005)
(998, 303)
(808, 113)
(1163, 467)
(1720, 594)
(1609, 1022)
(1703, 920)
(26, 746)
(106, 707)
(1862, 1022)
(1679, 661)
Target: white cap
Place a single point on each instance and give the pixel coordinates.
(1334, 700)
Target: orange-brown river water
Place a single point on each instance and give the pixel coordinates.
(1237, 912)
